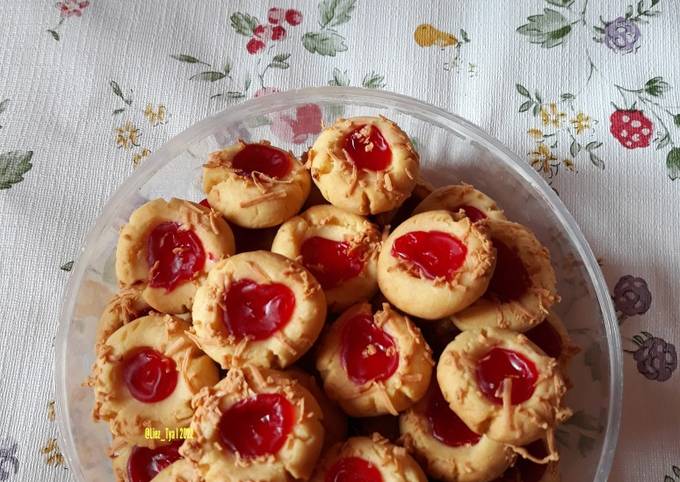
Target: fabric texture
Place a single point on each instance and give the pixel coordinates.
(587, 91)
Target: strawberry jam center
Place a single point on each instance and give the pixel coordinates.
(353, 469)
(500, 364)
(472, 213)
(510, 279)
(261, 158)
(331, 262)
(545, 336)
(145, 463)
(173, 255)
(446, 426)
(525, 470)
(368, 353)
(435, 253)
(367, 149)
(149, 375)
(258, 425)
(257, 310)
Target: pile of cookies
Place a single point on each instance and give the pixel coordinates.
(333, 319)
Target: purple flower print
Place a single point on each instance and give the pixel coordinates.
(656, 358)
(621, 35)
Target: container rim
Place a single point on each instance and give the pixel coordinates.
(379, 98)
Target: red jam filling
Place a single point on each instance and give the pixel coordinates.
(258, 425)
(261, 158)
(368, 353)
(500, 364)
(204, 203)
(149, 375)
(435, 253)
(547, 338)
(446, 426)
(173, 255)
(145, 463)
(472, 213)
(371, 152)
(510, 278)
(525, 470)
(353, 469)
(331, 262)
(257, 310)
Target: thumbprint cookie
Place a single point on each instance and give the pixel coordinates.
(167, 247)
(522, 288)
(125, 306)
(255, 185)
(145, 376)
(258, 308)
(374, 364)
(446, 447)
(255, 424)
(367, 459)
(339, 248)
(461, 197)
(180, 471)
(502, 385)
(435, 264)
(132, 463)
(365, 165)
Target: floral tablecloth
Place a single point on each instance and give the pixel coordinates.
(587, 91)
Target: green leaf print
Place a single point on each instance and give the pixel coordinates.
(208, 76)
(336, 12)
(280, 61)
(324, 43)
(548, 29)
(523, 91)
(3, 105)
(13, 165)
(672, 163)
(656, 87)
(676, 120)
(189, 59)
(339, 78)
(54, 34)
(68, 266)
(117, 91)
(373, 81)
(243, 23)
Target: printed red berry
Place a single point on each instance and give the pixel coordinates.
(264, 32)
(254, 45)
(293, 17)
(278, 33)
(276, 15)
(631, 128)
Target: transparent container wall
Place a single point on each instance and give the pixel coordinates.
(447, 156)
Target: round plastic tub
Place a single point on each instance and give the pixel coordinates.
(452, 150)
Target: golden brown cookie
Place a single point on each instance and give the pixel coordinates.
(391, 219)
(502, 385)
(365, 165)
(334, 420)
(255, 185)
(435, 264)
(132, 463)
(145, 376)
(256, 424)
(461, 197)
(125, 306)
(180, 471)
(523, 286)
(258, 308)
(369, 460)
(339, 248)
(374, 364)
(167, 248)
(446, 448)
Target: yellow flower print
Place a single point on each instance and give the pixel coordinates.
(427, 35)
(535, 133)
(127, 136)
(542, 158)
(581, 122)
(155, 116)
(552, 116)
(140, 156)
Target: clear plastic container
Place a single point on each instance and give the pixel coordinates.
(452, 149)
